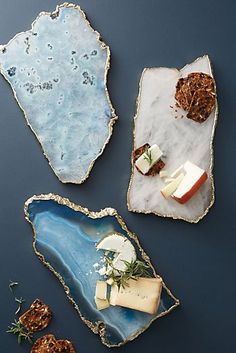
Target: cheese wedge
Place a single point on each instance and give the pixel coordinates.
(193, 179)
(178, 171)
(101, 290)
(147, 160)
(142, 294)
(169, 180)
(163, 174)
(170, 188)
(101, 304)
(123, 251)
(110, 281)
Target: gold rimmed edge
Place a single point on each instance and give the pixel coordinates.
(211, 153)
(98, 327)
(114, 117)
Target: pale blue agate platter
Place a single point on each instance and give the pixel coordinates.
(57, 71)
(65, 239)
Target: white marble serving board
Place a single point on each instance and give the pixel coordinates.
(180, 139)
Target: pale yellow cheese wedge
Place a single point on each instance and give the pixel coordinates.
(101, 304)
(163, 174)
(110, 281)
(142, 294)
(169, 180)
(177, 172)
(101, 290)
(170, 188)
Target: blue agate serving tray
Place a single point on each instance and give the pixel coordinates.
(65, 235)
(58, 72)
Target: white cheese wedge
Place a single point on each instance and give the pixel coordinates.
(193, 179)
(142, 294)
(110, 281)
(101, 304)
(169, 189)
(163, 174)
(101, 290)
(113, 294)
(123, 249)
(169, 180)
(147, 160)
(177, 171)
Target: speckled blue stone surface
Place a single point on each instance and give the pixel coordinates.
(57, 71)
(67, 240)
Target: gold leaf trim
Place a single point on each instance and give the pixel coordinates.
(211, 153)
(97, 327)
(107, 66)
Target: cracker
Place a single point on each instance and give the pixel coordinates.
(203, 103)
(187, 97)
(49, 344)
(37, 317)
(65, 346)
(45, 344)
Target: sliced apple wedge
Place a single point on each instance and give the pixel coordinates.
(177, 171)
(189, 185)
(170, 188)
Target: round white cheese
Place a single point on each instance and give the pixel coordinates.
(121, 246)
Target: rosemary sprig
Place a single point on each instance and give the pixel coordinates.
(20, 331)
(148, 157)
(20, 301)
(12, 284)
(134, 270)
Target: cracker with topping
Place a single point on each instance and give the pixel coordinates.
(37, 317)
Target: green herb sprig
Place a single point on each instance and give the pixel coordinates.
(20, 331)
(134, 270)
(16, 327)
(20, 301)
(12, 284)
(148, 157)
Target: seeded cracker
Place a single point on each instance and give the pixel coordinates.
(49, 344)
(37, 317)
(196, 92)
(202, 105)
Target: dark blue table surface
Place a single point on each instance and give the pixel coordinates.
(198, 262)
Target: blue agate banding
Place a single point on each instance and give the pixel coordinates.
(65, 237)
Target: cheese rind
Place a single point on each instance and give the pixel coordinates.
(144, 164)
(101, 290)
(142, 294)
(113, 294)
(101, 304)
(193, 179)
(170, 188)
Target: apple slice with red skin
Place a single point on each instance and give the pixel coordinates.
(189, 194)
(190, 184)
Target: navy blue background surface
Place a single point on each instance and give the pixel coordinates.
(198, 262)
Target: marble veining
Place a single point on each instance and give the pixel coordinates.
(65, 240)
(57, 71)
(180, 139)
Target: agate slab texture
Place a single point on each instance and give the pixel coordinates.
(57, 71)
(65, 237)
